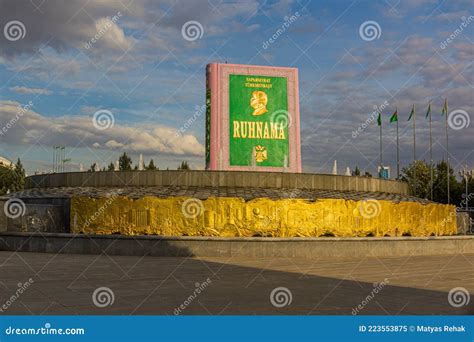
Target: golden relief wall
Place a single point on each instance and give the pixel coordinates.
(234, 217)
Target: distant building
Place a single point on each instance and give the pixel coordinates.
(6, 163)
(384, 173)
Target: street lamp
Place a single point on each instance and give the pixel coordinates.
(466, 174)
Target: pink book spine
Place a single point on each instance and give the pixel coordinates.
(297, 122)
(212, 132)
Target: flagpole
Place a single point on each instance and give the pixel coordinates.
(398, 153)
(381, 145)
(54, 159)
(431, 156)
(447, 144)
(414, 133)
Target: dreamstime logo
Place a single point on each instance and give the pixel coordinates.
(282, 117)
(102, 297)
(45, 330)
(22, 287)
(281, 297)
(369, 208)
(192, 30)
(286, 24)
(200, 287)
(377, 288)
(462, 204)
(370, 119)
(14, 208)
(197, 113)
(458, 119)
(21, 110)
(370, 30)
(14, 30)
(107, 23)
(192, 208)
(458, 296)
(103, 119)
(101, 210)
(456, 32)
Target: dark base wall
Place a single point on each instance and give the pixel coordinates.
(329, 248)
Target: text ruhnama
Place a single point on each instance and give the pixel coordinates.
(259, 130)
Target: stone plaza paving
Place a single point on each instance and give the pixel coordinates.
(65, 283)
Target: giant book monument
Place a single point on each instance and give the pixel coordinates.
(252, 118)
(252, 185)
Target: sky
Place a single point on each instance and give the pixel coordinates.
(106, 76)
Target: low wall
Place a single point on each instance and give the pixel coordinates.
(33, 217)
(216, 179)
(320, 248)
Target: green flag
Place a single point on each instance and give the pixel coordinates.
(412, 112)
(394, 117)
(445, 107)
(428, 113)
(379, 120)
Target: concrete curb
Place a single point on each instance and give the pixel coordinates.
(200, 178)
(320, 248)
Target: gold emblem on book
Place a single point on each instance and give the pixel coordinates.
(260, 153)
(258, 102)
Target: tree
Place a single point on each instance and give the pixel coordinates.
(417, 174)
(93, 167)
(111, 167)
(19, 176)
(440, 186)
(356, 171)
(6, 180)
(367, 174)
(125, 162)
(184, 166)
(12, 179)
(151, 165)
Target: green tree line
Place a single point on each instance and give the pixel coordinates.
(417, 174)
(126, 164)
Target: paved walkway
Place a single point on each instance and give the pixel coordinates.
(64, 284)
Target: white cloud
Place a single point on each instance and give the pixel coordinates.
(446, 16)
(25, 90)
(78, 131)
(109, 35)
(113, 144)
